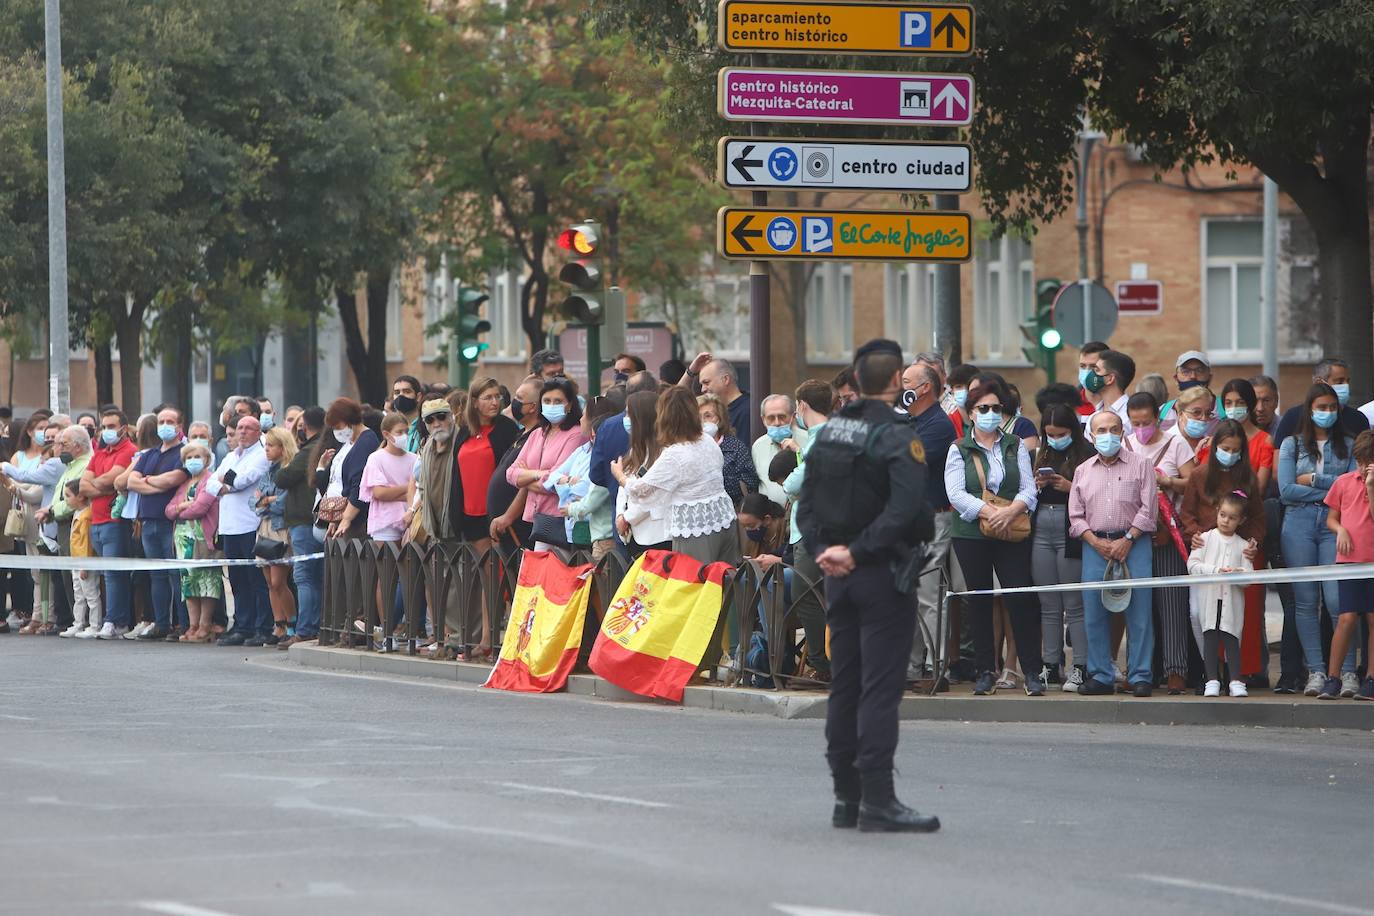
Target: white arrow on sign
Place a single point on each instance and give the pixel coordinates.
(948, 97)
(844, 165)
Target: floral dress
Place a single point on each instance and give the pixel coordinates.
(201, 581)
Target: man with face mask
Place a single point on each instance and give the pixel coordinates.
(405, 400)
(1335, 372)
(235, 483)
(1192, 369)
(625, 365)
(110, 535)
(155, 479)
(1112, 508)
(778, 413)
(1108, 381)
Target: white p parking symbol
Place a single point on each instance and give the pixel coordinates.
(818, 234)
(915, 30)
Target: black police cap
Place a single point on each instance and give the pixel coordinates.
(878, 345)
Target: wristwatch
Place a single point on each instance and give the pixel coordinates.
(1130, 536)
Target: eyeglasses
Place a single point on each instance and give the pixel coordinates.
(988, 408)
(436, 418)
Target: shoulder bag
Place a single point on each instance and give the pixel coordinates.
(1019, 529)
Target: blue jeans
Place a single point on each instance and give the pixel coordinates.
(1139, 618)
(252, 605)
(1308, 542)
(309, 579)
(166, 586)
(112, 540)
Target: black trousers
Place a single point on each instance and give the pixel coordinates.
(978, 558)
(871, 628)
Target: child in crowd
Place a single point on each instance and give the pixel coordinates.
(386, 480)
(1351, 519)
(86, 613)
(1222, 607)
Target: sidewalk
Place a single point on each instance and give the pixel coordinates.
(1263, 709)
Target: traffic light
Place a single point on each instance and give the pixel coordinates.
(587, 302)
(471, 326)
(1043, 339)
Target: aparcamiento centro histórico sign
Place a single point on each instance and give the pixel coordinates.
(768, 234)
(805, 27)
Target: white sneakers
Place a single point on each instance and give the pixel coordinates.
(90, 632)
(1236, 689)
(1350, 684)
(1315, 682)
(138, 630)
(110, 631)
(1073, 680)
(73, 630)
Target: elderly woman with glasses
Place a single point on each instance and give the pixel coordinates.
(989, 460)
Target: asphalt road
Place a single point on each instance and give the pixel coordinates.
(196, 781)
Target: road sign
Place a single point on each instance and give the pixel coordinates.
(843, 165)
(845, 96)
(1140, 297)
(800, 27)
(1084, 311)
(768, 234)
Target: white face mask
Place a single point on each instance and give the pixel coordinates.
(399, 440)
(344, 435)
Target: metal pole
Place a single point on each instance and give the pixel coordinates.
(760, 314)
(59, 370)
(593, 360)
(948, 325)
(1269, 286)
(1085, 152)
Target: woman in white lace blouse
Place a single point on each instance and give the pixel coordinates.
(701, 517)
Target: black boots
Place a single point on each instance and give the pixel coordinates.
(880, 812)
(847, 791)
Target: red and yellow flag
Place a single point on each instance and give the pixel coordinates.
(544, 633)
(659, 624)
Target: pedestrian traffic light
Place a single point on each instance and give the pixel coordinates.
(587, 303)
(1043, 339)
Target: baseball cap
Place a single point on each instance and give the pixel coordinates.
(431, 407)
(1193, 354)
(1115, 598)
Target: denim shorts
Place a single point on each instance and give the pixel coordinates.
(1356, 596)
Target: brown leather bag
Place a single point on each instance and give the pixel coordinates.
(331, 509)
(1019, 530)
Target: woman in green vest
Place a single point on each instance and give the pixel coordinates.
(988, 537)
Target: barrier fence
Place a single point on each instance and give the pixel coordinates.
(364, 581)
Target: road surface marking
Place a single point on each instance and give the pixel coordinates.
(593, 796)
(1252, 894)
(172, 908)
(793, 910)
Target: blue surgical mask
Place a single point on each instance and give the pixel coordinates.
(1324, 418)
(1083, 374)
(801, 421)
(625, 422)
(554, 413)
(1342, 393)
(1107, 444)
(1226, 458)
(987, 422)
(166, 432)
(40, 437)
(1239, 414)
(1195, 428)
(194, 466)
(1060, 444)
(779, 433)
(109, 436)
(961, 396)
(267, 421)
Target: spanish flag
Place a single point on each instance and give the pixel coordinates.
(659, 624)
(544, 633)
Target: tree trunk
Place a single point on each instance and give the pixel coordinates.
(366, 355)
(128, 322)
(534, 296)
(104, 374)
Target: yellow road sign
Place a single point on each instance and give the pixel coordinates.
(802, 27)
(770, 234)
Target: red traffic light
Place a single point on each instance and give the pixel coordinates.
(581, 239)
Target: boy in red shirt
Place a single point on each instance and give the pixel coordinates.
(1352, 521)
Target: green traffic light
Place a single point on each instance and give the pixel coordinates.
(1051, 339)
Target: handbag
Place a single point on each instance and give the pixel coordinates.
(14, 522)
(1019, 529)
(331, 509)
(550, 529)
(269, 549)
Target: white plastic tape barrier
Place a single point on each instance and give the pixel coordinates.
(119, 564)
(1263, 576)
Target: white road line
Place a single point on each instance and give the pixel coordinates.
(172, 908)
(1248, 893)
(794, 910)
(593, 796)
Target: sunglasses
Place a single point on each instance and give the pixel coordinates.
(988, 408)
(436, 418)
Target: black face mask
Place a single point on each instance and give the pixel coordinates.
(403, 404)
(622, 377)
(66, 458)
(517, 409)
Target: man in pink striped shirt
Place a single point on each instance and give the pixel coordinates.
(1112, 507)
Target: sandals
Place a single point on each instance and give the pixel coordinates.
(30, 627)
(1008, 679)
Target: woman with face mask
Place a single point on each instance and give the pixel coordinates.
(1238, 400)
(1227, 470)
(558, 435)
(1309, 463)
(1196, 409)
(1056, 558)
(194, 513)
(741, 477)
(341, 469)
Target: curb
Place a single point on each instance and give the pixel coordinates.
(1255, 712)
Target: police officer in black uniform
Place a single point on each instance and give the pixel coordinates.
(863, 515)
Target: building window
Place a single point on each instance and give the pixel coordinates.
(507, 337)
(395, 349)
(909, 306)
(437, 299)
(830, 314)
(1233, 254)
(1003, 297)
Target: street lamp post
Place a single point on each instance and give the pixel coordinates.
(59, 370)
